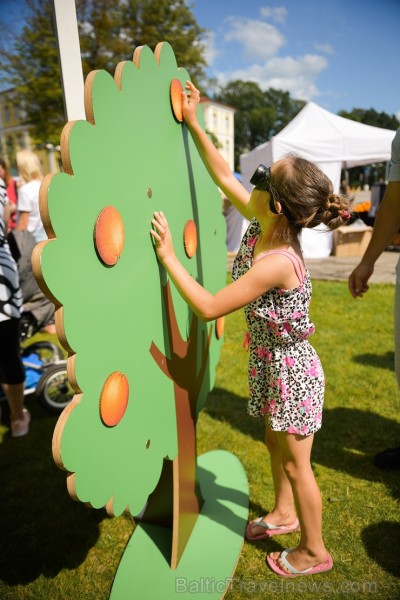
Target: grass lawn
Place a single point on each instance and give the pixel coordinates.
(52, 548)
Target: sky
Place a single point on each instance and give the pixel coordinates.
(340, 54)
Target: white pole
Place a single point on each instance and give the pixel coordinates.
(52, 160)
(66, 25)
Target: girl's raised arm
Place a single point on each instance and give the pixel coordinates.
(215, 163)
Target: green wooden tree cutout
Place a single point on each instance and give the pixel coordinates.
(140, 362)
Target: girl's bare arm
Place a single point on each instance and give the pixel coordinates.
(213, 160)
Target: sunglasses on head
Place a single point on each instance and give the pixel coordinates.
(261, 179)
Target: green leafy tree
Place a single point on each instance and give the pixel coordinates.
(259, 115)
(250, 116)
(149, 21)
(371, 117)
(107, 29)
(286, 107)
(100, 28)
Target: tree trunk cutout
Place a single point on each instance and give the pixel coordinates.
(176, 501)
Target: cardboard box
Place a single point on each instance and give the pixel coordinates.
(351, 240)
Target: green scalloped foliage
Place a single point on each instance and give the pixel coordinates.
(113, 314)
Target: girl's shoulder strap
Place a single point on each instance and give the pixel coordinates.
(295, 260)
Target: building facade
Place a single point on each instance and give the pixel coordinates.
(219, 121)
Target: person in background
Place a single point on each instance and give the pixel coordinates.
(28, 194)
(344, 188)
(12, 373)
(271, 283)
(29, 219)
(12, 192)
(387, 224)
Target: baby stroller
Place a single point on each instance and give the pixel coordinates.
(45, 368)
(44, 361)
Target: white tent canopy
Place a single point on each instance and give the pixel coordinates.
(333, 142)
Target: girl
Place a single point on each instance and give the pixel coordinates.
(28, 195)
(286, 380)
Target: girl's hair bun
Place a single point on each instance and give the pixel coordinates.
(337, 212)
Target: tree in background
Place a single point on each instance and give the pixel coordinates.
(371, 117)
(114, 28)
(107, 29)
(259, 115)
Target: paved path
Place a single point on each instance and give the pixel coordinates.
(338, 268)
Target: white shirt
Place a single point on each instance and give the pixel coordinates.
(28, 201)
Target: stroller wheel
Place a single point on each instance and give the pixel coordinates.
(53, 390)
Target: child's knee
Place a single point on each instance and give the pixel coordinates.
(291, 469)
(296, 470)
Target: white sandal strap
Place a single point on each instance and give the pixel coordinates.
(289, 566)
(260, 523)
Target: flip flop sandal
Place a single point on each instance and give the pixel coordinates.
(321, 568)
(270, 529)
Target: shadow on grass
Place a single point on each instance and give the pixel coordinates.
(42, 531)
(378, 541)
(348, 441)
(384, 361)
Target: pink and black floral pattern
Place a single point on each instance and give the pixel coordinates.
(286, 379)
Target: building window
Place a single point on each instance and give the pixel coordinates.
(7, 114)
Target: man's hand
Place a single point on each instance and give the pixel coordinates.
(358, 280)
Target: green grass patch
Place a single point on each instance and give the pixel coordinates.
(52, 548)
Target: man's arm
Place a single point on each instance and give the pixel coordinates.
(387, 223)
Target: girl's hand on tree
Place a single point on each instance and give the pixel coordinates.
(162, 237)
(189, 103)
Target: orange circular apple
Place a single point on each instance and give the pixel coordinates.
(190, 238)
(219, 327)
(176, 99)
(109, 236)
(114, 398)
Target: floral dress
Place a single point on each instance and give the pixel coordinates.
(286, 380)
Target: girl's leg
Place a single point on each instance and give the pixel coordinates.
(12, 376)
(296, 461)
(15, 397)
(283, 512)
(19, 416)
